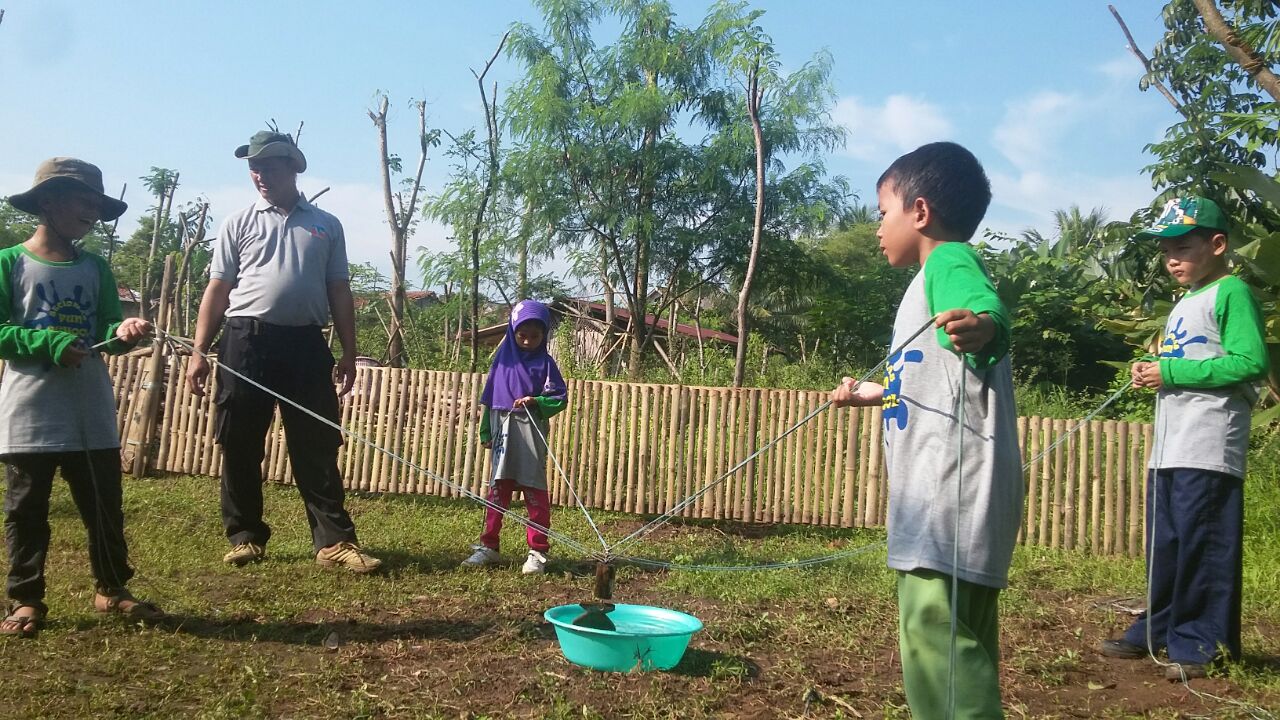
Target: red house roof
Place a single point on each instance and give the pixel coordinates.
(597, 309)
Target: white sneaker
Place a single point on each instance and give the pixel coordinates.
(482, 556)
(535, 564)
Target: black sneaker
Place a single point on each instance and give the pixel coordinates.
(1182, 672)
(1121, 648)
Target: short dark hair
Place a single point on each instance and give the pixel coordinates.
(951, 181)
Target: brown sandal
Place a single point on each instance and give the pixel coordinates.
(24, 620)
(121, 602)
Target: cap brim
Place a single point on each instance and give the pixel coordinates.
(275, 149)
(29, 201)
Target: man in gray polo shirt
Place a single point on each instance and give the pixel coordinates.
(279, 271)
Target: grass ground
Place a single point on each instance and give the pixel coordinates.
(425, 639)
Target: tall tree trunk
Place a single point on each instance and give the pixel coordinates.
(522, 259)
(744, 296)
(164, 206)
(400, 217)
(644, 238)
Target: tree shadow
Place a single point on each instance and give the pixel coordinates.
(328, 634)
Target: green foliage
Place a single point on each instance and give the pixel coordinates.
(15, 225)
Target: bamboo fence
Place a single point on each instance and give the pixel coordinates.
(642, 448)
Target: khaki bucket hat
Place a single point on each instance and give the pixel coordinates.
(67, 171)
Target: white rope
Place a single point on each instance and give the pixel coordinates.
(675, 510)
(590, 521)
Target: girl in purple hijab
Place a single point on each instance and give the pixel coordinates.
(524, 388)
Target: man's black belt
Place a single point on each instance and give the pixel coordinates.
(261, 327)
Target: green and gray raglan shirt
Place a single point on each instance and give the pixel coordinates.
(1212, 352)
(922, 435)
(44, 307)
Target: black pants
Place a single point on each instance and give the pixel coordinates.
(94, 478)
(296, 363)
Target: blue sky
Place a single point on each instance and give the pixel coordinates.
(1045, 92)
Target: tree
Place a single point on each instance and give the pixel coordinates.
(598, 124)
(788, 116)
(402, 214)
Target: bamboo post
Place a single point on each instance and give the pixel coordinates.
(1056, 520)
(1109, 492)
(750, 441)
(145, 421)
(1122, 486)
(1024, 452)
(1082, 488)
(1136, 514)
(1046, 484)
(852, 418)
(1096, 444)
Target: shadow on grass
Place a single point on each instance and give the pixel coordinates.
(712, 664)
(321, 634)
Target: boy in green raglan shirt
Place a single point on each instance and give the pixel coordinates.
(1212, 352)
(931, 201)
(56, 302)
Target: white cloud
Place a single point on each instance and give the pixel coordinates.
(1030, 128)
(1028, 199)
(1121, 69)
(900, 124)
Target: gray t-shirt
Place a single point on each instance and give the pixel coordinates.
(280, 264)
(1211, 354)
(45, 407)
(920, 436)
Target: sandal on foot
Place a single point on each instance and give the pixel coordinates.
(25, 620)
(122, 602)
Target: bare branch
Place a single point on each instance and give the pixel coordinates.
(1146, 63)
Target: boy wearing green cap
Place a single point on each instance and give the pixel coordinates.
(1211, 355)
(58, 302)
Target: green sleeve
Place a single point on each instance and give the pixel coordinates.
(550, 406)
(23, 343)
(110, 314)
(485, 433)
(1244, 349)
(955, 279)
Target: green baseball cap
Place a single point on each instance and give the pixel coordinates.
(1182, 215)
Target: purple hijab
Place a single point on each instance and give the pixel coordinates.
(518, 373)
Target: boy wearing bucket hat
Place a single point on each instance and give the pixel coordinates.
(1212, 352)
(279, 271)
(56, 300)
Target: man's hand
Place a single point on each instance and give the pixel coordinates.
(74, 354)
(968, 332)
(1146, 374)
(852, 393)
(132, 330)
(197, 374)
(344, 374)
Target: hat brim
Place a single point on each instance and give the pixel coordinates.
(29, 201)
(276, 149)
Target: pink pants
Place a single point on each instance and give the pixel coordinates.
(538, 503)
